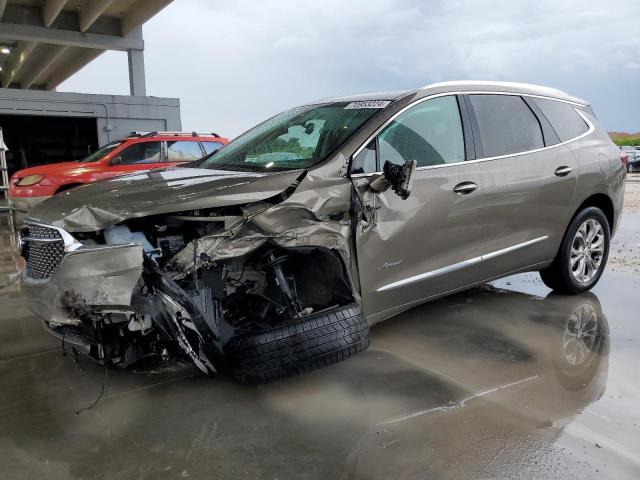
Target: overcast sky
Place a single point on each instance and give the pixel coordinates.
(233, 64)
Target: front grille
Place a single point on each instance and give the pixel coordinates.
(71, 334)
(43, 250)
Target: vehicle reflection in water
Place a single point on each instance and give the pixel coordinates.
(477, 385)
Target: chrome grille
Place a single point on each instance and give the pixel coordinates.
(43, 248)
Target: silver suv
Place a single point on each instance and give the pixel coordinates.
(274, 255)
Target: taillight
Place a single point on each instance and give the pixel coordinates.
(624, 158)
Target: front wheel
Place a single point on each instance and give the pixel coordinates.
(315, 341)
(582, 255)
(629, 168)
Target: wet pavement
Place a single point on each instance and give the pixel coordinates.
(504, 381)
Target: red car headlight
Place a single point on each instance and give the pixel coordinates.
(29, 180)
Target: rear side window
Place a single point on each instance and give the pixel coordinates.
(563, 118)
(183, 151)
(211, 147)
(506, 125)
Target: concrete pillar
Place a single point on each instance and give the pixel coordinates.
(137, 81)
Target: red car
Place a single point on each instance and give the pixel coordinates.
(137, 152)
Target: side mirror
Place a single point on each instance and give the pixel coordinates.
(116, 160)
(398, 177)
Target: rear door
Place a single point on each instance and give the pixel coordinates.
(528, 179)
(409, 250)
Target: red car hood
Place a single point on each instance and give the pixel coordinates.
(62, 169)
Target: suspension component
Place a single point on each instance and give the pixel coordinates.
(291, 300)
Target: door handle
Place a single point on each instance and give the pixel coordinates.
(465, 188)
(562, 171)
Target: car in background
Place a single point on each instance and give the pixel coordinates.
(633, 158)
(137, 152)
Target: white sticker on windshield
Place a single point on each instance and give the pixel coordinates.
(368, 104)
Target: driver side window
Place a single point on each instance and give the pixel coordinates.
(141, 152)
(429, 133)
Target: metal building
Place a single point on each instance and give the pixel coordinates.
(44, 42)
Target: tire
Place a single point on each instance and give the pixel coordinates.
(559, 276)
(316, 341)
(629, 168)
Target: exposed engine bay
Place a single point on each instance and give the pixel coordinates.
(254, 275)
(216, 300)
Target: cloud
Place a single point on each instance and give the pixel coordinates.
(234, 63)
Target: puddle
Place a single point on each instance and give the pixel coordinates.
(503, 381)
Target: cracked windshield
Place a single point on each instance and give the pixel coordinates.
(297, 138)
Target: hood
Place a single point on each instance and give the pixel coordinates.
(64, 169)
(98, 205)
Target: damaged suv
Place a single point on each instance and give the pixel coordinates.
(274, 255)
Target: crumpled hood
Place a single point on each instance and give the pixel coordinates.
(101, 204)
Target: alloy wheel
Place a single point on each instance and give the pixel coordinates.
(587, 251)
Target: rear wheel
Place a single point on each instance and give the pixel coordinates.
(313, 342)
(582, 255)
(629, 168)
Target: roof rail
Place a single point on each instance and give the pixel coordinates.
(177, 134)
(476, 83)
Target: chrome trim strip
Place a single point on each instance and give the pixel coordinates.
(432, 273)
(40, 240)
(591, 128)
(459, 265)
(70, 243)
(489, 256)
(505, 85)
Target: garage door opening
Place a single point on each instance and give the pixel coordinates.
(37, 140)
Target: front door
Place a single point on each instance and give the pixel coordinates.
(410, 250)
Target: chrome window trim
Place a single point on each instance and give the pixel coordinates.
(457, 266)
(70, 243)
(494, 83)
(590, 129)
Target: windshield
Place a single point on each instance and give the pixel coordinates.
(100, 153)
(297, 138)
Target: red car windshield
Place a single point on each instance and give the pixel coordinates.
(101, 153)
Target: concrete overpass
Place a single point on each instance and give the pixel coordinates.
(44, 42)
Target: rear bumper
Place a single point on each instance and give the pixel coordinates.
(88, 279)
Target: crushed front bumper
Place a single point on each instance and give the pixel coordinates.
(94, 278)
(77, 289)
